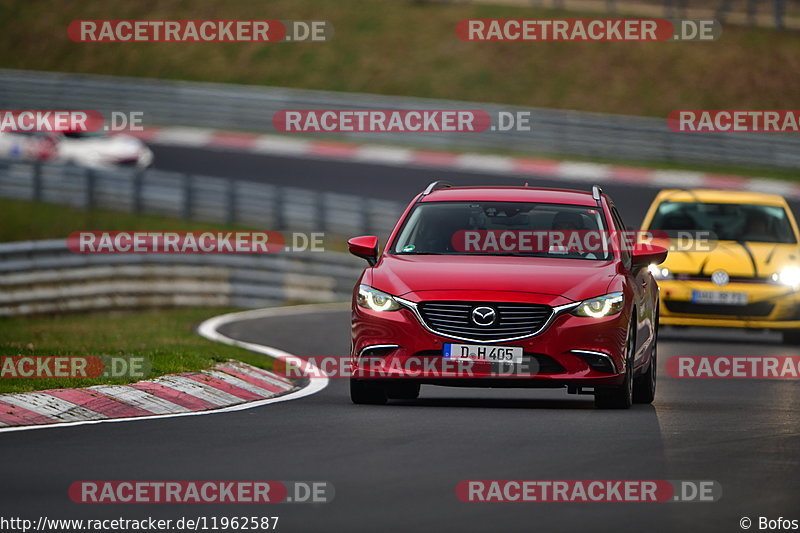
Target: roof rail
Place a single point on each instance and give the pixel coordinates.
(596, 192)
(436, 185)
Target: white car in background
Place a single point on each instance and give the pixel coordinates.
(28, 146)
(98, 149)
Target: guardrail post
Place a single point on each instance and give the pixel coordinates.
(89, 199)
(366, 218)
(277, 208)
(780, 7)
(232, 201)
(187, 196)
(322, 212)
(668, 147)
(676, 8)
(36, 193)
(138, 186)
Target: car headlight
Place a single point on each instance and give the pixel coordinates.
(789, 275)
(660, 272)
(376, 300)
(609, 304)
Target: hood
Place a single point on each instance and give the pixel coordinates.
(747, 259)
(110, 147)
(572, 279)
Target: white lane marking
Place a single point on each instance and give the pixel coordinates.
(677, 178)
(208, 329)
(55, 408)
(184, 136)
(782, 188)
(484, 163)
(275, 144)
(256, 373)
(141, 399)
(199, 390)
(383, 154)
(592, 172)
(391, 155)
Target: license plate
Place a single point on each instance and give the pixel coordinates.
(719, 297)
(479, 352)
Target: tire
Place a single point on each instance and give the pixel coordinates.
(644, 386)
(621, 396)
(402, 391)
(365, 392)
(791, 336)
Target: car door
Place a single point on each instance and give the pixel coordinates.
(641, 283)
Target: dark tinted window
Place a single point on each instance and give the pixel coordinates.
(729, 222)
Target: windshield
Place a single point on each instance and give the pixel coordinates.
(85, 134)
(729, 222)
(499, 228)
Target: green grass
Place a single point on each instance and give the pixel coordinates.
(409, 48)
(22, 220)
(166, 338)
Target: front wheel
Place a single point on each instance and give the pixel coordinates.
(403, 390)
(644, 386)
(621, 396)
(367, 392)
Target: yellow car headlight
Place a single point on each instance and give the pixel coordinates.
(789, 276)
(660, 272)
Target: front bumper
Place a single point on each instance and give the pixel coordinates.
(395, 344)
(768, 306)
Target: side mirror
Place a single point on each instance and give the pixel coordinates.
(364, 247)
(648, 254)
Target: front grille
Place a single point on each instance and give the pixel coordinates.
(690, 308)
(512, 320)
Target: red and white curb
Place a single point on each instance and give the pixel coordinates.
(229, 386)
(522, 167)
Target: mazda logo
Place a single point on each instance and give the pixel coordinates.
(483, 316)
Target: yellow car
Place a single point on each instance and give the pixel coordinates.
(734, 260)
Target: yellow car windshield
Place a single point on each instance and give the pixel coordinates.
(725, 221)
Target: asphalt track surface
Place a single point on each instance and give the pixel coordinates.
(370, 180)
(395, 467)
(373, 180)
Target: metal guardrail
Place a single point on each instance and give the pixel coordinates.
(193, 197)
(780, 14)
(45, 277)
(250, 108)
